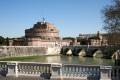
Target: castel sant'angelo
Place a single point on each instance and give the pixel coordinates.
(41, 34)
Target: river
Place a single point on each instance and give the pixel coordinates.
(74, 60)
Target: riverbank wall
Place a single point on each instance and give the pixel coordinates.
(15, 51)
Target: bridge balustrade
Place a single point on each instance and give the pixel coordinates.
(3, 65)
(33, 69)
(115, 74)
(72, 71)
(78, 71)
(3, 68)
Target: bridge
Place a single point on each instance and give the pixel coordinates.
(55, 71)
(87, 50)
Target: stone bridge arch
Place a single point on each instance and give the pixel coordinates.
(91, 51)
(81, 52)
(98, 53)
(67, 51)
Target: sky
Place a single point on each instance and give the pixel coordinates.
(71, 17)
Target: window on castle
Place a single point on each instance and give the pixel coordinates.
(51, 29)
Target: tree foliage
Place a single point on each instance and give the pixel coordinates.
(4, 41)
(112, 17)
(69, 38)
(112, 22)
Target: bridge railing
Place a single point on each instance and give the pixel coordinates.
(33, 69)
(56, 70)
(81, 71)
(115, 74)
(28, 69)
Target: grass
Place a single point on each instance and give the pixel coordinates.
(23, 58)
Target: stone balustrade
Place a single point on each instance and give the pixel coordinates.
(56, 70)
(33, 69)
(115, 73)
(81, 71)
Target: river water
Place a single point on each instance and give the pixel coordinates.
(74, 60)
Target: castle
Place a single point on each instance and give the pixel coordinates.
(41, 34)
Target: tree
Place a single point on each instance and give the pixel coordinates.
(112, 17)
(2, 41)
(7, 41)
(112, 21)
(69, 38)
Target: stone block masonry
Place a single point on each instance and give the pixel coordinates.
(15, 51)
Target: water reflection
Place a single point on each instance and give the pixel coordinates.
(53, 59)
(74, 60)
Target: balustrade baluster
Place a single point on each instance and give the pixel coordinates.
(0, 66)
(25, 68)
(39, 68)
(44, 69)
(63, 71)
(47, 69)
(117, 73)
(29, 68)
(78, 71)
(74, 71)
(33, 69)
(22, 68)
(68, 71)
(18, 68)
(75, 74)
(36, 69)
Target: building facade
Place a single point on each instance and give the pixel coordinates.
(92, 39)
